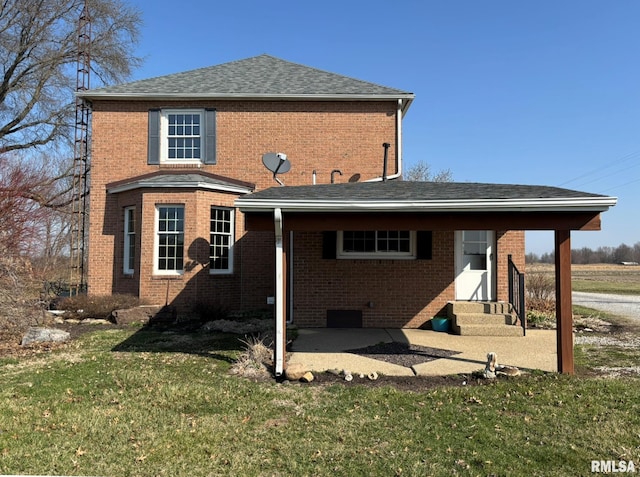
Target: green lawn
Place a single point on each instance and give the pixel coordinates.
(601, 286)
(148, 404)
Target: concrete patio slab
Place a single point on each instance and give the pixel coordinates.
(322, 349)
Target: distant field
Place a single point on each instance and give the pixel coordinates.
(598, 278)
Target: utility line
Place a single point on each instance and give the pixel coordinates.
(622, 160)
(607, 175)
(621, 185)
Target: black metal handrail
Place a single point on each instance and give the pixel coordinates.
(516, 294)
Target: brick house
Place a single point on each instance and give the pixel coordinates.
(183, 209)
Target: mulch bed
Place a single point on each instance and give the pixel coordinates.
(402, 354)
(401, 383)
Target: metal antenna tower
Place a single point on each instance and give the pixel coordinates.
(81, 157)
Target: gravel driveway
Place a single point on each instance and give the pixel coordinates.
(625, 305)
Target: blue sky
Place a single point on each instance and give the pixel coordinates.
(530, 92)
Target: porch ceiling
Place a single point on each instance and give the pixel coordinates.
(320, 221)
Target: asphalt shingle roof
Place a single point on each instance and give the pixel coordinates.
(402, 191)
(179, 179)
(262, 75)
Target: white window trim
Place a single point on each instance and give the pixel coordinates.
(156, 244)
(164, 136)
(410, 255)
(128, 236)
(232, 242)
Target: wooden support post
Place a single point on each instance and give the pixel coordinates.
(564, 312)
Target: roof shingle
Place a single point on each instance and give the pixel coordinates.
(400, 191)
(261, 75)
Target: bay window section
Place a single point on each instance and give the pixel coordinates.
(221, 240)
(169, 239)
(129, 240)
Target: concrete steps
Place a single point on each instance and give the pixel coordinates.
(483, 319)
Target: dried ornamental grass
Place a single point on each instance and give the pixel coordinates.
(255, 360)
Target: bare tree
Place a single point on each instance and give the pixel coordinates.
(38, 52)
(27, 226)
(421, 172)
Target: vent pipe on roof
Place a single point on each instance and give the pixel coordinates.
(333, 172)
(386, 146)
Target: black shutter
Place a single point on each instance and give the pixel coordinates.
(153, 145)
(329, 244)
(424, 245)
(210, 136)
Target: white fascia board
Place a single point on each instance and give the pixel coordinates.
(586, 204)
(178, 185)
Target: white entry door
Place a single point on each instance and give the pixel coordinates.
(474, 265)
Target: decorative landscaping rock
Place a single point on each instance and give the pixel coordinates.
(295, 372)
(44, 335)
(307, 377)
(95, 321)
(139, 314)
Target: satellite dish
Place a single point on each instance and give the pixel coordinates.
(277, 163)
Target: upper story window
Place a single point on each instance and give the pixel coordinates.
(182, 136)
(181, 131)
(378, 244)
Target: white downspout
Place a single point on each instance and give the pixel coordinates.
(290, 275)
(398, 140)
(399, 137)
(279, 350)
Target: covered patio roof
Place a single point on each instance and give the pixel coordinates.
(408, 205)
(407, 196)
(414, 205)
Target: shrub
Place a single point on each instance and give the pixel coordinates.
(20, 306)
(537, 319)
(540, 293)
(82, 306)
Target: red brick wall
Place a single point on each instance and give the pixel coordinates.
(319, 136)
(316, 136)
(508, 243)
(402, 291)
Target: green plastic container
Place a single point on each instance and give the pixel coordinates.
(439, 323)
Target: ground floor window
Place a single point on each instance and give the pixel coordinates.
(129, 240)
(377, 244)
(169, 239)
(221, 240)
